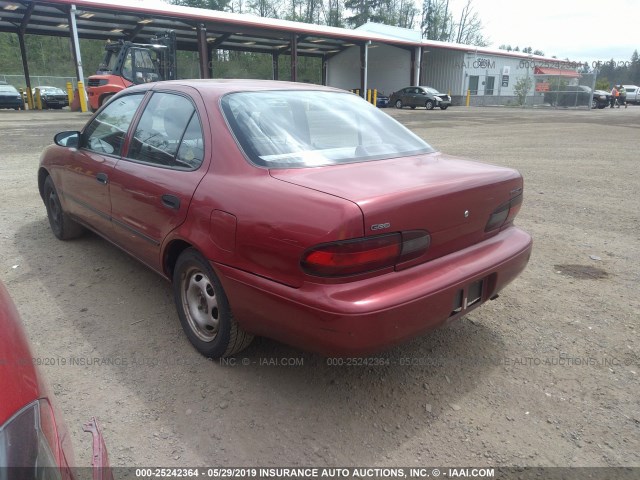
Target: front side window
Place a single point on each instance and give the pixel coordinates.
(144, 68)
(169, 134)
(127, 66)
(105, 134)
(293, 129)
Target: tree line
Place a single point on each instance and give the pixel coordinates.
(436, 19)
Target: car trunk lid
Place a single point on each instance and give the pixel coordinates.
(450, 198)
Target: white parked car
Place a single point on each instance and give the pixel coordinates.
(633, 93)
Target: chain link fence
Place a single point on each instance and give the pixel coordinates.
(19, 81)
(537, 88)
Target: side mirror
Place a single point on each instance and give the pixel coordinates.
(67, 139)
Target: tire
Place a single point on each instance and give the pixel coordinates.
(398, 103)
(444, 107)
(594, 103)
(62, 226)
(203, 308)
(106, 99)
(429, 105)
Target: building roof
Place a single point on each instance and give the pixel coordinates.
(555, 72)
(139, 20)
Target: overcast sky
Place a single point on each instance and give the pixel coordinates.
(585, 30)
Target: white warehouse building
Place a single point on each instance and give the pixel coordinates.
(489, 75)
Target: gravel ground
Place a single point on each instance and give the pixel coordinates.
(547, 375)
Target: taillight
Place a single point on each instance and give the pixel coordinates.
(504, 214)
(29, 440)
(360, 255)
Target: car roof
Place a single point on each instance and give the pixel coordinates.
(19, 381)
(219, 87)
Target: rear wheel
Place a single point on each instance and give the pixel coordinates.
(203, 308)
(444, 107)
(429, 105)
(594, 103)
(62, 226)
(398, 103)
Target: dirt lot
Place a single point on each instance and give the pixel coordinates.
(547, 375)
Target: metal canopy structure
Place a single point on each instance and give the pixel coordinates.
(196, 30)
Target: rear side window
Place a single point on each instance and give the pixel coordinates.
(168, 134)
(293, 129)
(105, 134)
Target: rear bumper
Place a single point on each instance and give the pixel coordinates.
(364, 316)
(55, 102)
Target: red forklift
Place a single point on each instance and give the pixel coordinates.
(126, 63)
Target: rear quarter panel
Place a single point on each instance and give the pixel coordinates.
(274, 221)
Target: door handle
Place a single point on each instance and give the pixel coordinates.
(102, 178)
(171, 201)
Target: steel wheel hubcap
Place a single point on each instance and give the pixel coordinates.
(200, 304)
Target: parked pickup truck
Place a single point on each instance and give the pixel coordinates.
(633, 94)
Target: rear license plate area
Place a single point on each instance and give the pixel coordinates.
(466, 297)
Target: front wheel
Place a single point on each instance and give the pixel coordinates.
(106, 99)
(62, 226)
(398, 103)
(203, 308)
(594, 103)
(429, 105)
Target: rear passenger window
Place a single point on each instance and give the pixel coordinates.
(169, 134)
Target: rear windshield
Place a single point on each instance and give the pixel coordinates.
(52, 90)
(295, 129)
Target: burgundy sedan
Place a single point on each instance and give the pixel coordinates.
(34, 442)
(295, 212)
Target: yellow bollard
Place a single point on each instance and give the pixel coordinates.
(38, 99)
(83, 97)
(70, 92)
(21, 90)
(375, 97)
(30, 102)
(468, 97)
(369, 95)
